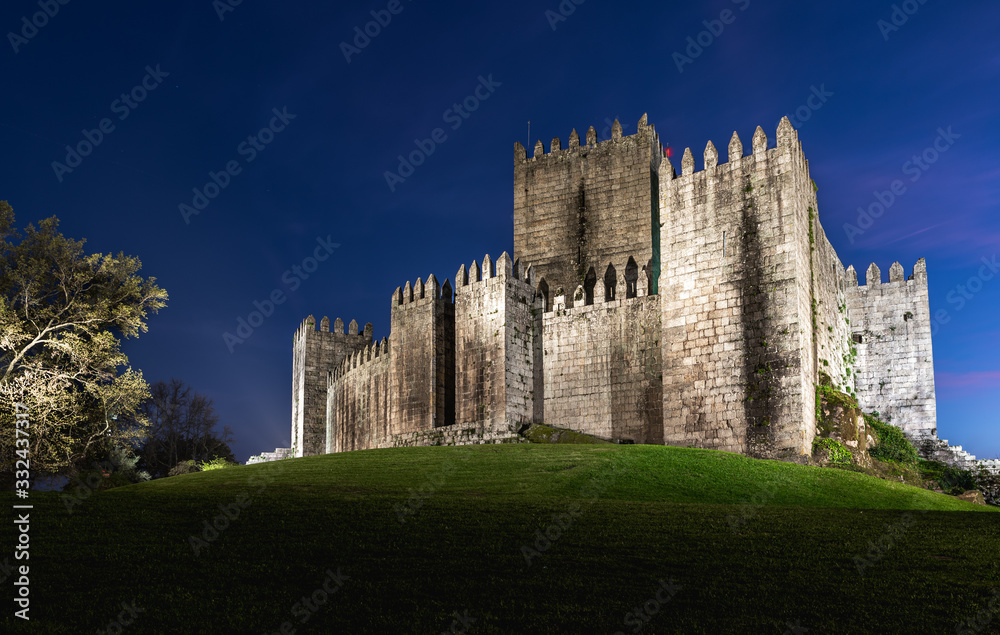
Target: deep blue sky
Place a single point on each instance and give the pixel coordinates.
(323, 175)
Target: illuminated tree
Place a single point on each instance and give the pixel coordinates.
(61, 314)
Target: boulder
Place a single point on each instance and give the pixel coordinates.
(973, 496)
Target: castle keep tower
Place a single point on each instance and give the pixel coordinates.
(694, 309)
(580, 208)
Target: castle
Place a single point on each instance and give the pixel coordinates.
(693, 309)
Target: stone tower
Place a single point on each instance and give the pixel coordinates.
(578, 209)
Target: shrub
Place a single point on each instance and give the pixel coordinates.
(892, 443)
(184, 467)
(956, 481)
(217, 463)
(839, 454)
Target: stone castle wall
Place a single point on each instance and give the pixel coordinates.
(834, 352)
(698, 308)
(895, 373)
(360, 400)
(602, 368)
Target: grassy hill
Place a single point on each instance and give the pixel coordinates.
(514, 538)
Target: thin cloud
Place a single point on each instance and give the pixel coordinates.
(974, 381)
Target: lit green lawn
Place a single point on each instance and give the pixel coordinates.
(751, 547)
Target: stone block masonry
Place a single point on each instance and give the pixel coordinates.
(494, 346)
(423, 362)
(735, 325)
(314, 355)
(891, 328)
(579, 208)
(602, 372)
(693, 309)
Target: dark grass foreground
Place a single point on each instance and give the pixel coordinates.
(740, 545)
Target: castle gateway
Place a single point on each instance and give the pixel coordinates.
(692, 309)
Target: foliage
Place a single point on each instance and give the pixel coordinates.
(950, 479)
(61, 313)
(892, 443)
(838, 452)
(184, 467)
(182, 426)
(117, 469)
(218, 463)
(124, 461)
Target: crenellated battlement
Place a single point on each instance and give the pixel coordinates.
(467, 279)
(787, 139)
(421, 292)
(643, 130)
(370, 353)
(308, 325)
(873, 276)
(615, 283)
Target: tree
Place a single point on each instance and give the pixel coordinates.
(181, 428)
(61, 314)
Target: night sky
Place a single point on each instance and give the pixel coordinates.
(187, 87)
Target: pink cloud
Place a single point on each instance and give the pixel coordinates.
(968, 382)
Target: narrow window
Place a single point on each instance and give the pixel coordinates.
(610, 283)
(543, 293)
(631, 278)
(588, 286)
